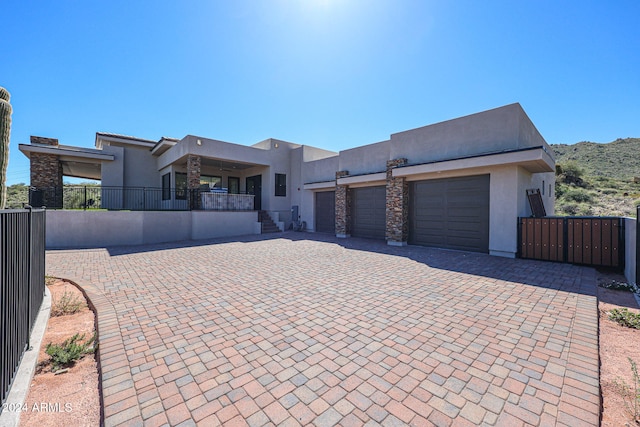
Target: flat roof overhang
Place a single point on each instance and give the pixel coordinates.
(76, 161)
(320, 185)
(122, 139)
(224, 165)
(366, 180)
(534, 160)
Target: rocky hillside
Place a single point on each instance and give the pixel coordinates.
(598, 179)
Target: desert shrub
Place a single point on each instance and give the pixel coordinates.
(70, 351)
(619, 286)
(578, 195)
(571, 173)
(631, 393)
(584, 210)
(624, 317)
(67, 303)
(570, 209)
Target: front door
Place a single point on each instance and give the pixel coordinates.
(254, 186)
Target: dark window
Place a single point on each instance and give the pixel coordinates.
(281, 184)
(234, 185)
(166, 186)
(181, 186)
(212, 181)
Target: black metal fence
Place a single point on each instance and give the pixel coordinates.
(130, 198)
(22, 268)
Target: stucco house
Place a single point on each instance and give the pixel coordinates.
(459, 184)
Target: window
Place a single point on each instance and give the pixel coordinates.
(166, 186)
(181, 186)
(281, 184)
(213, 181)
(234, 185)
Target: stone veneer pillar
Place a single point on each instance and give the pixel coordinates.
(343, 207)
(397, 206)
(193, 180)
(46, 174)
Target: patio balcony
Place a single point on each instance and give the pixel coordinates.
(96, 197)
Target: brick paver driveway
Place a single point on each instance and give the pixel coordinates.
(303, 329)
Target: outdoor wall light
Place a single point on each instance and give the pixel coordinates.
(199, 142)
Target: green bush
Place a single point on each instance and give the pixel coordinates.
(624, 317)
(67, 303)
(70, 351)
(570, 209)
(578, 195)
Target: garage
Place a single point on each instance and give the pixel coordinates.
(326, 212)
(450, 213)
(368, 217)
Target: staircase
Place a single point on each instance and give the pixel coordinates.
(268, 226)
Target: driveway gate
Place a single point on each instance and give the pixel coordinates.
(597, 241)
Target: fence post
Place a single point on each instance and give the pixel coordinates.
(29, 262)
(85, 197)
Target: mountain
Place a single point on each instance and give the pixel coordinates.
(598, 179)
(619, 159)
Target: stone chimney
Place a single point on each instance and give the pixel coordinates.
(43, 140)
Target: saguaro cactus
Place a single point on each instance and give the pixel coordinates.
(5, 131)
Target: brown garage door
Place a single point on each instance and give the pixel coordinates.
(368, 212)
(450, 213)
(326, 212)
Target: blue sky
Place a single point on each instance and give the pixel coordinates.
(329, 73)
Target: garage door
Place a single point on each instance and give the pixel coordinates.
(326, 212)
(450, 213)
(368, 212)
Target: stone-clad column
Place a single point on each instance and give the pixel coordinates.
(343, 207)
(46, 174)
(193, 180)
(397, 208)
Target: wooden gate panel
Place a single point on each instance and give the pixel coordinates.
(596, 242)
(606, 242)
(586, 241)
(589, 241)
(537, 230)
(546, 234)
(615, 244)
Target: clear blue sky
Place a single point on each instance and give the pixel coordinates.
(328, 73)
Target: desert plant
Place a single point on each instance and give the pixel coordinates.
(631, 393)
(578, 195)
(620, 286)
(624, 317)
(5, 130)
(68, 303)
(70, 351)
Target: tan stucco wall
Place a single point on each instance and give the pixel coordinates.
(365, 159)
(93, 229)
(504, 128)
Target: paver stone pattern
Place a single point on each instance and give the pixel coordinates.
(306, 329)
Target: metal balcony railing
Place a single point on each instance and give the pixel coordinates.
(136, 199)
